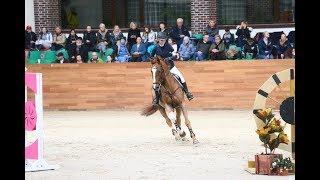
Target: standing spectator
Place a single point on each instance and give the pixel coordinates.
(79, 59)
(95, 58)
(123, 54)
(202, 50)
(243, 34)
(116, 35)
(175, 48)
(30, 38)
(265, 47)
(71, 40)
(103, 38)
(212, 30)
(228, 38)
(179, 32)
(148, 36)
(78, 49)
(133, 33)
(217, 49)
(59, 39)
(61, 59)
(138, 51)
(250, 49)
(44, 40)
(89, 39)
(283, 46)
(162, 28)
(186, 49)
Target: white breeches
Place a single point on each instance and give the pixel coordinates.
(175, 71)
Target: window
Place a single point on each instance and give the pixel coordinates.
(80, 13)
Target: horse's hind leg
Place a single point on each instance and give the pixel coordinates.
(178, 123)
(168, 121)
(188, 124)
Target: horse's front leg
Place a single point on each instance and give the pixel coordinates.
(175, 129)
(178, 124)
(188, 124)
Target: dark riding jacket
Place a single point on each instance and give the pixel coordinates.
(164, 52)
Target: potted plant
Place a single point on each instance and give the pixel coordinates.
(282, 166)
(272, 127)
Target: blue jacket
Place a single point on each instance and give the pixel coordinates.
(264, 49)
(142, 50)
(186, 50)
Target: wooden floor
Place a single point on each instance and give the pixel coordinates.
(215, 84)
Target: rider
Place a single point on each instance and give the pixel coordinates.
(164, 50)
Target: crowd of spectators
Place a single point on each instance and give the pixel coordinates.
(106, 46)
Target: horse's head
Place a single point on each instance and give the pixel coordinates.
(158, 70)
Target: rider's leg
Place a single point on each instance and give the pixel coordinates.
(175, 70)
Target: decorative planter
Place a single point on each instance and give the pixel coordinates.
(263, 163)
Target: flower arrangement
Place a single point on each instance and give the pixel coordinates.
(281, 166)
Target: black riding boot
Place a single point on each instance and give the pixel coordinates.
(155, 101)
(188, 94)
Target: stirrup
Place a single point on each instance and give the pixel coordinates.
(189, 96)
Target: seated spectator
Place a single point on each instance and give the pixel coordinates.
(233, 53)
(133, 33)
(265, 47)
(290, 53)
(30, 38)
(103, 38)
(250, 49)
(228, 38)
(71, 40)
(79, 59)
(116, 35)
(212, 30)
(78, 49)
(283, 46)
(217, 49)
(44, 41)
(202, 50)
(61, 59)
(59, 39)
(138, 51)
(89, 39)
(243, 34)
(179, 32)
(186, 49)
(148, 36)
(175, 48)
(95, 58)
(162, 28)
(123, 54)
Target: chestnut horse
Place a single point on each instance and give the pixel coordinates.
(172, 101)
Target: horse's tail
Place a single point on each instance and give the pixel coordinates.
(149, 110)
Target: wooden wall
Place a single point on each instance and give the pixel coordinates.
(215, 84)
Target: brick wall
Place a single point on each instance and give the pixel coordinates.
(47, 14)
(201, 12)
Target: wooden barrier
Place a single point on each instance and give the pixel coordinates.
(215, 84)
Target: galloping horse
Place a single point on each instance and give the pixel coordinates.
(171, 100)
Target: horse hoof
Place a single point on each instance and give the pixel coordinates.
(183, 134)
(184, 139)
(195, 141)
(177, 137)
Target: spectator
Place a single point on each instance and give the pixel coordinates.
(30, 38)
(44, 40)
(233, 53)
(78, 49)
(283, 46)
(148, 36)
(186, 49)
(228, 38)
(212, 30)
(59, 39)
(95, 58)
(290, 53)
(79, 59)
(103, 38)
(175, 48)
(71, 40)
(133, 33)
(116, 35)
(217, 49)
(61, 59)
(265, 47)
(179, 32)
(123, 53)
(162, 28)
(250, 49)
(138, 51)
(202, 50)
(243, 34)
(89, 39)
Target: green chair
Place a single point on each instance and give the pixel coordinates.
(33, 57)
(49, 57)
(109, 52)
(249, 56)
(198, 36)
